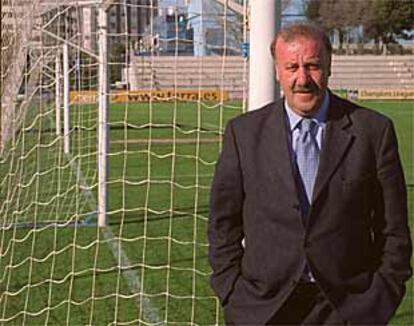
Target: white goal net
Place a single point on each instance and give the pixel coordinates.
(123, 135)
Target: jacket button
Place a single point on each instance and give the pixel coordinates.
(296, 207)
(308, 244)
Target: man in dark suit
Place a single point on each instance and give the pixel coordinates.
(308, 212)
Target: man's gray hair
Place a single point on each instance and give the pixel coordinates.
(306, 30)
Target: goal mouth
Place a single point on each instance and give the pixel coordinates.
(112, 126)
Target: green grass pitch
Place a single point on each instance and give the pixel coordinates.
(161, 163)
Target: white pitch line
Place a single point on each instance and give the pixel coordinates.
(150, 312)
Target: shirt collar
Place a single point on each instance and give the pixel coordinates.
(319, 117)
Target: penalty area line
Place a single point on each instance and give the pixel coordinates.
(150, 313)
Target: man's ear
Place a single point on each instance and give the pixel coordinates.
(330, 67)
(276, 73)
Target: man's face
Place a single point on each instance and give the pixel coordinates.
(302, 69)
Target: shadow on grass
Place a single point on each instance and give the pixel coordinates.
(139, 217)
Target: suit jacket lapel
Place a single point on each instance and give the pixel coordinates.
(336, 142)
(276, 141)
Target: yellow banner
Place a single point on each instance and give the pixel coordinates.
(84, 97)
(386, 94)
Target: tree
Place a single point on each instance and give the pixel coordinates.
(382, 20)
(337, 16)
(330, 14)
(389, 20)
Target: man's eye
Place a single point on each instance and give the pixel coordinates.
(313, 66)
(291, 68)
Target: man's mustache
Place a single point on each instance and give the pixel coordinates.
(311, 88)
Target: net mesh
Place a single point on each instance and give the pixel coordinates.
(177, 73)
(168, 105)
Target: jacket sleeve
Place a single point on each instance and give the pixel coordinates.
(225, 227)
(392, 241)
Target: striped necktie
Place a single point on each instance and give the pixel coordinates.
(307, 155)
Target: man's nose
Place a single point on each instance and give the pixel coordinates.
(302, 76)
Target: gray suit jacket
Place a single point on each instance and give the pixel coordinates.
(355, 238)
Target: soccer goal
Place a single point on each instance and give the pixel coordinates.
(111, 124)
